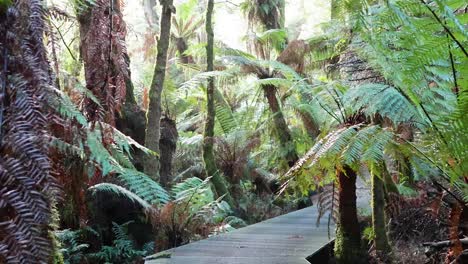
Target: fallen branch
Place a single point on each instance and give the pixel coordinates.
(446, 243)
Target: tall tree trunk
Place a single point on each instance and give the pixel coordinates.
(102, 49)
(107, 70)
(106, 64)
(168, 144)
(348, 236)
(208, 155)
(281, 127)
(404, 167)
(271, 21)
(382, 246)
(131, 120)
(310, 124)
(153, 116)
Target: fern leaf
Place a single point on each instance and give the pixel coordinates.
(143, 186)
(120, 191)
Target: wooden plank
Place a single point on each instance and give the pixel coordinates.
(284, 239)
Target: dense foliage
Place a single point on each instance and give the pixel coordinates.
(123, 136)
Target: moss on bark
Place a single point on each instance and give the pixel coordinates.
(382, 246)
(219, 183)
(348, 237)
(153, 116)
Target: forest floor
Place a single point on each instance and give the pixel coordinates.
(424, 218)
(415, 224)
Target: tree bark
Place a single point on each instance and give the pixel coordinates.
(310, 124)
(208, 155)
(270, 21)
(168, 144)
(102, 49)
(404, 167)
(348, 236)
(182, 47)
(153, 116)
(281, 127)
(382, 246)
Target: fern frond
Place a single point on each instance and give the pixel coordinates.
(120, 191)
(190, 187)
(201, 78)
(384, 100)
(67, 109)
(275, 38)
(353, 152)
(333, 143)
(328, 202)
(28, 189)
(125, 142)
(143, 186)
(351, 146)
(224, 114)
(374, 151)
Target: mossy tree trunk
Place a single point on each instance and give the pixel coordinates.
(271, 16)
(208, 155)
(131, 121)
(281, 127)
(310, 123)
(283, 133)
(348, 236)
(406, 132)
(153, 116)
(168, 144)
(382, 246)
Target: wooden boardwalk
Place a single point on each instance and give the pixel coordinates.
(286, 239)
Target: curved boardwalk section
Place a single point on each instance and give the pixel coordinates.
(286, 239)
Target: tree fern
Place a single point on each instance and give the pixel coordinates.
(418, 48)
(113, 159)
(374, 153)
(353, 152)
(409, 51)
(383, 100)
(67, 108)
(348, 146)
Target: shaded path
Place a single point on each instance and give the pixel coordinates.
(284, 239)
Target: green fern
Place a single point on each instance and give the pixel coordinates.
(120, 191)
(224, 114)
(201, 78)
(114, 159)
(143, 186)
(71, 249)
(351, 146)
(123, 249)
(383, 100)
(194, 190)
(67, 108)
